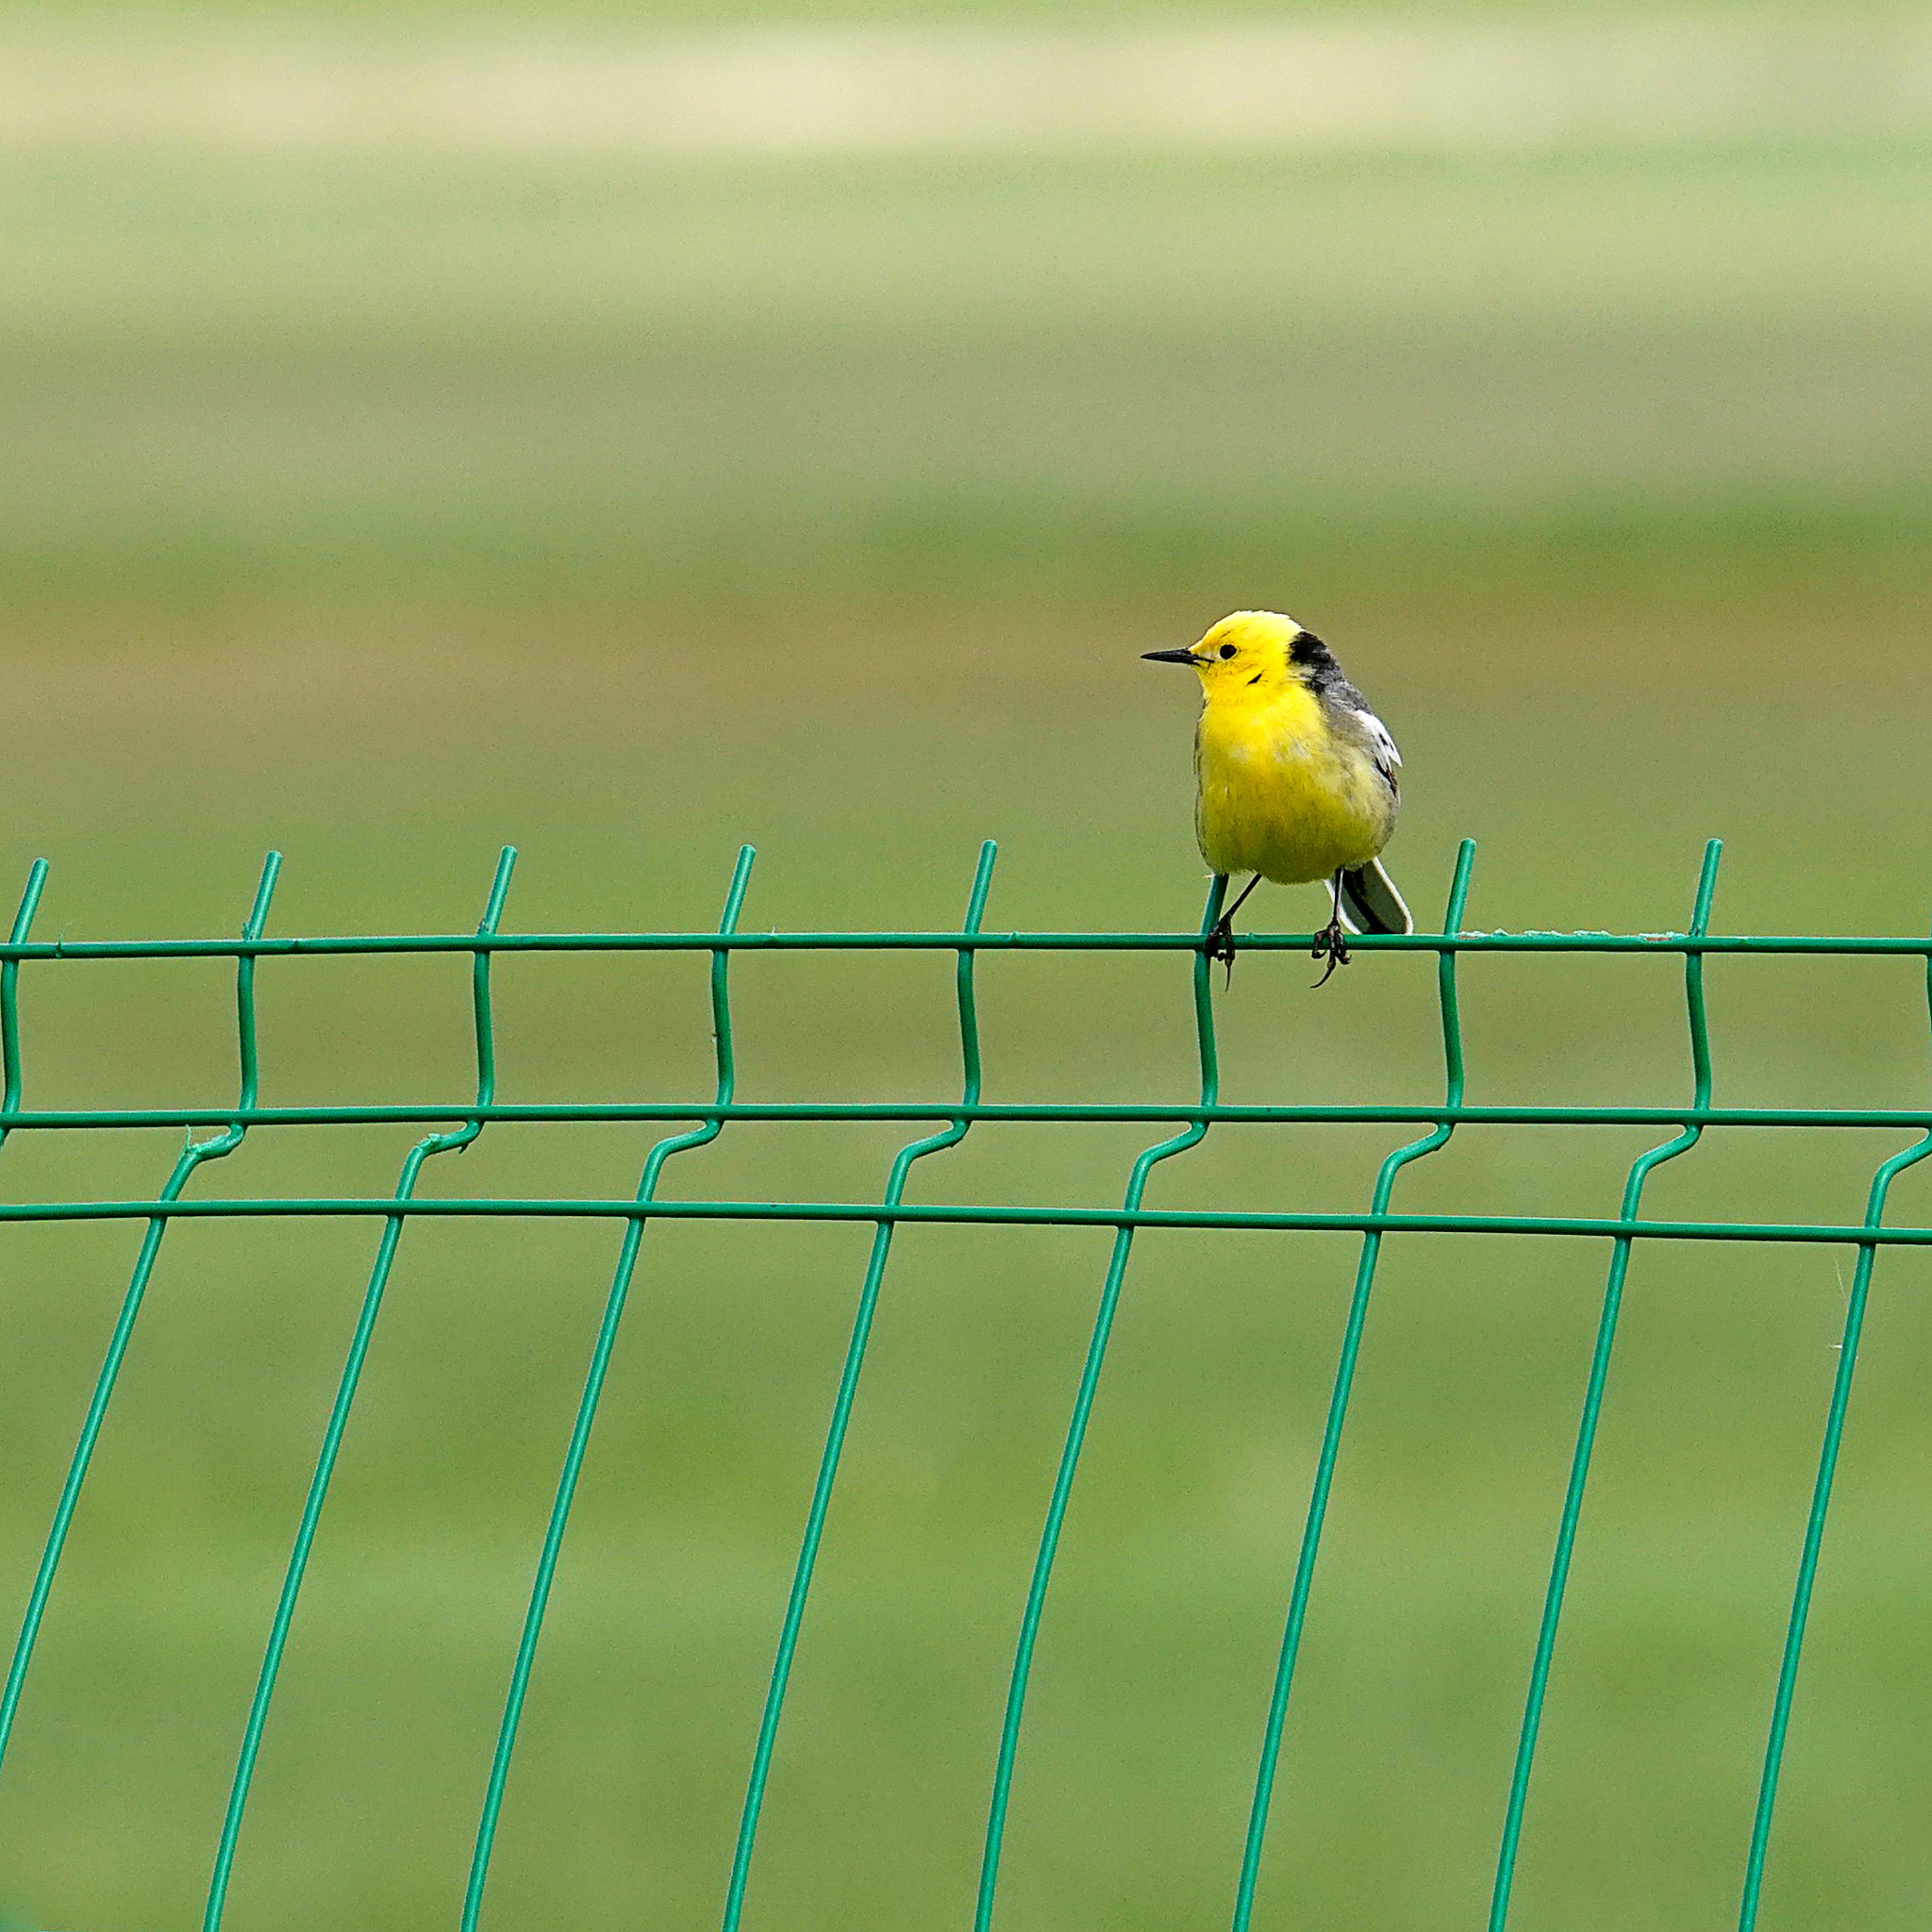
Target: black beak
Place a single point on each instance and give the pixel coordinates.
(1171, 657)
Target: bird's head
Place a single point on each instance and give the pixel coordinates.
(1250, 648)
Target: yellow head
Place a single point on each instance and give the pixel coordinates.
(1261, 650)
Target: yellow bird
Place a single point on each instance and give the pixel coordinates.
(1295, 776)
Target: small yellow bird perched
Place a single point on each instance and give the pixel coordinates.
(1295, 776)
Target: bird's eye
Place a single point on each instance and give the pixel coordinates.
(1227, 650)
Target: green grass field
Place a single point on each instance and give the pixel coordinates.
(466, 15)
(627, 515)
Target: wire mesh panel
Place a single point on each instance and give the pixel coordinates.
(215, 1132)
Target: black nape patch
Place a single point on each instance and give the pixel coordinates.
(1307, 648)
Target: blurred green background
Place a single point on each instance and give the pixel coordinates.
(384, 504)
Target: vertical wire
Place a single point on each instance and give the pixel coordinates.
(848, 1389)
(593, 1389)
(192, 1156)
(345, 1395)
(1083, 1405)
(1814, 1524)
(1338, 1401)
(9, 998)
(1572, 1514)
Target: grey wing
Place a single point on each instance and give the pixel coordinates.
(1382, 749)
(1372, 734)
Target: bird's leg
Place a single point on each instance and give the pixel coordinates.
(1331, 943)
(1218, 944)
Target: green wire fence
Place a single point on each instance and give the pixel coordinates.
(459, 1123)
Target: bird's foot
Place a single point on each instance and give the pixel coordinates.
(1331, 943)
(1218, 946)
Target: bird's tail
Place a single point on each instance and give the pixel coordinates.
(1369, 901)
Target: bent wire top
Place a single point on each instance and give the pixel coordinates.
(462, 1120)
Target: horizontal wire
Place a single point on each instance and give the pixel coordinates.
(1659, 942)
(1098, 1113)
(873, 1212)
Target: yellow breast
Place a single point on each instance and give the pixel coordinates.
(1282, 795)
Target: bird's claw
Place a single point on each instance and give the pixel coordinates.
(1219, 948)
(1331, 943)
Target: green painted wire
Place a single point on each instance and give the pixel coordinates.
(619, 1112)
(346, 1396)
(1337, 1402)
(192, 1156)
(337, 947)
(624, 1112)
(553, 1208)
(9, 1000)
(1814, 1522)
(593, 1393)
(841, 1406)
(1572, 1514)
(1083, 1406)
